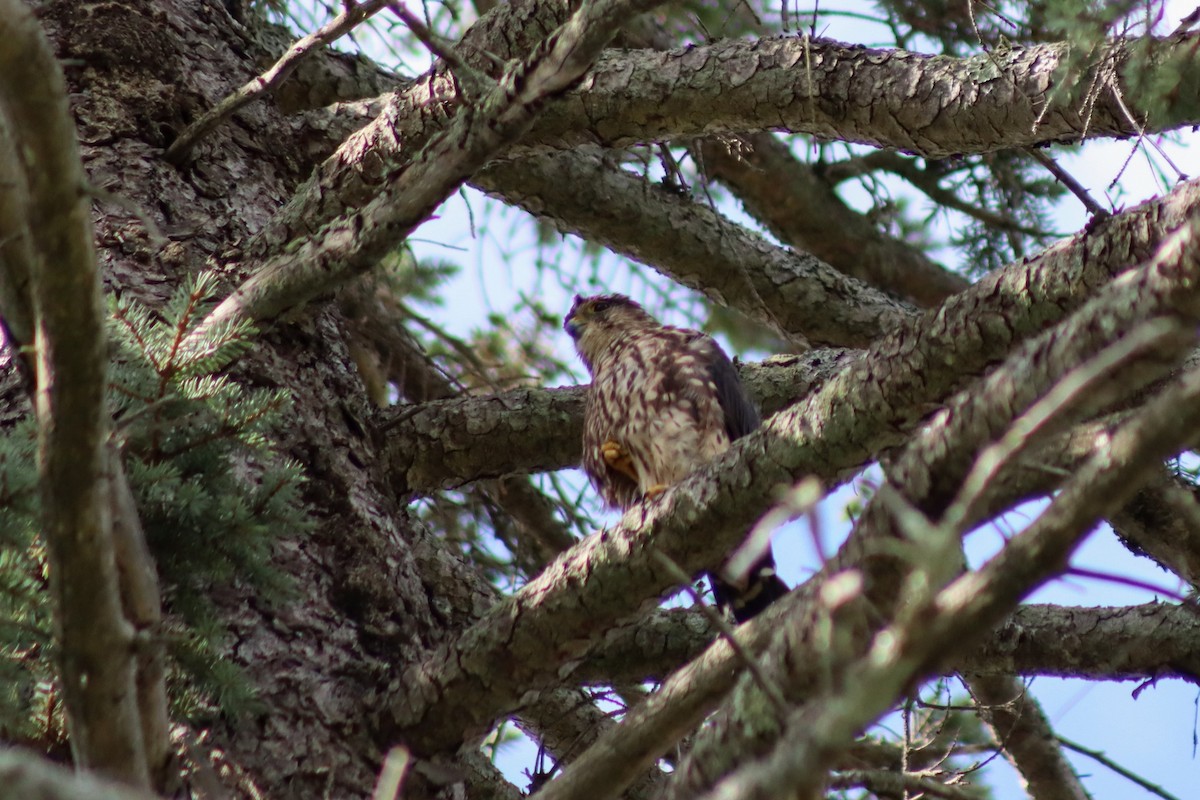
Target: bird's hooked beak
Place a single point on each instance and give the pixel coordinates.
(571, 325)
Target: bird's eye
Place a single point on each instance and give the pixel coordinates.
(600, 306)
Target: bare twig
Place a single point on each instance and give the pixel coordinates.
(928, 184)
(1065, 178)
(1026, 737)
(1099, 757)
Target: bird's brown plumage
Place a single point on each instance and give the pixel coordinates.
(663, 402)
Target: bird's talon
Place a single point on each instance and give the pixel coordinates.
(616, 458)
(612, 453)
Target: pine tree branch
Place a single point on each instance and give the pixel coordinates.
(816, 732)
(928, 472)
(933, 106)
(356, 241)
(1099, 643)
(99, 671)
(793, 293)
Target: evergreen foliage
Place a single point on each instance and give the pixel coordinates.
(212, 492)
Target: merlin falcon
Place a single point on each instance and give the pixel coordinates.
(664, 401)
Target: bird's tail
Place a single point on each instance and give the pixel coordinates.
(749, 597)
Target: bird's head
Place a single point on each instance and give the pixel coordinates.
(596, 322)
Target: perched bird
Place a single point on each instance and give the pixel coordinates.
(664, 401)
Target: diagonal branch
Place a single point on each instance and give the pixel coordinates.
(844, 411)
(352, 15)
(357, 240)
(803, 210)
(797, 295)
(957, 614)
(1122, 643)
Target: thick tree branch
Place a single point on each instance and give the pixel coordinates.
(1122, 643)
(638, 737)
(817, 732)
(447, 443)
(1153, 640)
(356, 241)
(96, 641)
(934, 106)
(793, 293)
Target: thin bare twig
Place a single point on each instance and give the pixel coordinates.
(1098, 756)
(886, 783)
(462, 70)
(1074, 186)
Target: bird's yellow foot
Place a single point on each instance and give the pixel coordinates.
(615, 456)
